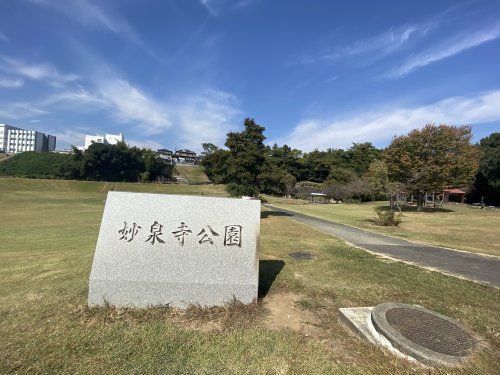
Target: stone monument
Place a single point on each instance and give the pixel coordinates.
(174, 250)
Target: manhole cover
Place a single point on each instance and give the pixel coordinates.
(423, 334)
(301, 255)
(430, 331)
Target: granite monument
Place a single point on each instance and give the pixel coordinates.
(173, 250)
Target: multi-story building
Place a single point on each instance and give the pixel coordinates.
(108, 139)
(186, 157)
(14, 140)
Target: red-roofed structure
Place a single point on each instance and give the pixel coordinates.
(454, 191)
(454, 194)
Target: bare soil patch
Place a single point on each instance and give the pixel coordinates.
(285, 312)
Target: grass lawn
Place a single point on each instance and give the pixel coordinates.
(194, 174)
(48, 235)
(456, 226)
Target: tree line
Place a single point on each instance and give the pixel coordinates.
(423, 161)
(100, 162)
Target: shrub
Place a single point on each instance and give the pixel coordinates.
(388, 218)
(144, 177)
(41, 165)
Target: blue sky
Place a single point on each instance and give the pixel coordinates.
(316, 74)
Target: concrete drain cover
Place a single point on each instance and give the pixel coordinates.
(301, 255)
(427, 336)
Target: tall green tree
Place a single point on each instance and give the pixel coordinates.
(316, 166)
(286, 158)
(360, 155)
(432, 158)
(215, 164)
(487, 182)
(275, 180)
(245, 160)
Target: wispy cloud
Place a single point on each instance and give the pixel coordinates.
(3, 37)
(373, 126)
(11, 83)
(216, 7)
(373, 48)
(379, 45)
(208, 4)
(146, 143)
(120, 99)
(206, 118)
(78, 99)
(203, 117)
(91, 15)
(448, 48)
(131, 104)
(20, 110)
(70, 137)
(330, 79)
(38, 72)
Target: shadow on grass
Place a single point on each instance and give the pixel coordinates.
(266, 214)
(414, 209)
(268, 271)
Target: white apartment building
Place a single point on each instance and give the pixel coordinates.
(14, 140)
(108, 139)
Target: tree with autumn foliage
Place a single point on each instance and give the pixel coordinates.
(432, 158)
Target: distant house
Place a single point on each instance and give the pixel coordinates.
(107, 139)
(186, 157)
(166, 155)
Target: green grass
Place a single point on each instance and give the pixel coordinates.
(48, 236)
(97, 187)
(194, 174)
(456, 226)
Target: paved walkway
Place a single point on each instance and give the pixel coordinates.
(471, 266)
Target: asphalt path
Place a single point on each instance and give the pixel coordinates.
(474, 267)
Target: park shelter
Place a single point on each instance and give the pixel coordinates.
(318, 198)
(453, 195)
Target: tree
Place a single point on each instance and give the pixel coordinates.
(208, 148)
(121, 163)
(341, 175)
(245, 160)
(432, 159)
(360, 155)
(215, 165)
(153, 165)
(316, 166)
(276, 181)
(487, 182)
(378, 178)
(286, 158)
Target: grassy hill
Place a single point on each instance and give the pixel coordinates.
(40, 165)
(194, 174)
